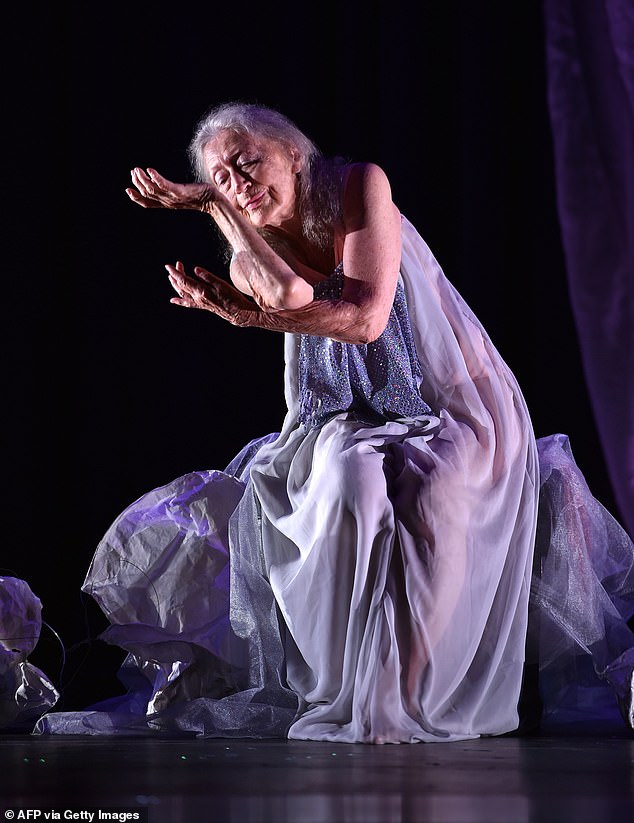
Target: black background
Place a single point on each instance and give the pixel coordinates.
(109, 390)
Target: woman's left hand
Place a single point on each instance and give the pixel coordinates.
(206, 291)
(153, 191)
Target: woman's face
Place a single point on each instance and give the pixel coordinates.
(258, 175)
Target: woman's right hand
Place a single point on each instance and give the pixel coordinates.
(153, 191)
(203, 290)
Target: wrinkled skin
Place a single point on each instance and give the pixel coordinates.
(203, 290)
(153, 191)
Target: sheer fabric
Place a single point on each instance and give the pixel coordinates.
(365, 579)
(590, 85)
(582, 597)
(25, 691)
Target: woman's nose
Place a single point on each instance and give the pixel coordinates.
(239, 182)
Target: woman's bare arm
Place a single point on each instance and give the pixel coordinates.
(371, 258)
(271, 281)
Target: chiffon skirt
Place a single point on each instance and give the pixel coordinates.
(366, 582)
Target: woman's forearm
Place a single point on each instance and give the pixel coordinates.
(358, 317)
(266, 276)
(338, 319)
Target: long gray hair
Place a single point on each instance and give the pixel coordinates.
(319, 195)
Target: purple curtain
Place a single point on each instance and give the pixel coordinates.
(590, 71)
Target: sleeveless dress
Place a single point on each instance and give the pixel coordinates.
(364, 575)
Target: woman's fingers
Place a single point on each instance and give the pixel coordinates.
(187, 288)
(205, 275)
(193, 292)
(206, 291)
(157, 191)
(176, 277)
(141, 181)
(158, 179)
(152, 187)
(141, 195)
(134, 195)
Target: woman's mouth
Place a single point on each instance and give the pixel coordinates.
(254, 202)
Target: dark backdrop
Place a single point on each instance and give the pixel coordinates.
(109, 390)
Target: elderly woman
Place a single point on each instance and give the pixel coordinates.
(364, 574)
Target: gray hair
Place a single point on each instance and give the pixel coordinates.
(319, 193)
(251, 119)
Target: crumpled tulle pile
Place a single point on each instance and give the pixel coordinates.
(582, 596)
(163, 578)
(25, 691)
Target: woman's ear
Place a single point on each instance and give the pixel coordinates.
(297, 161)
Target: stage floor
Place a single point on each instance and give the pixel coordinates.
(579, 778)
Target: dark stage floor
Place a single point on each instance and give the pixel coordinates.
(581, 778)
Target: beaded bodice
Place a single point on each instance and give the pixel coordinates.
(373, 381)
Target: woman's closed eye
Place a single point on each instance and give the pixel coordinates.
(247, 165)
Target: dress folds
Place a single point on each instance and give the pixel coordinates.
(363, 575)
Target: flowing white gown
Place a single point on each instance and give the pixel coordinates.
(362, 576)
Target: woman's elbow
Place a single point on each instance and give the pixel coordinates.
(294, 295)
(369, 329)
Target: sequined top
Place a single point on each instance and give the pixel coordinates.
(374, 381)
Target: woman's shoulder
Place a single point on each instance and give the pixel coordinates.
(365, 186)
(364, 173)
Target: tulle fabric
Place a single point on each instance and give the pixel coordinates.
(25, 691)
(582, 597)
(352, 582)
